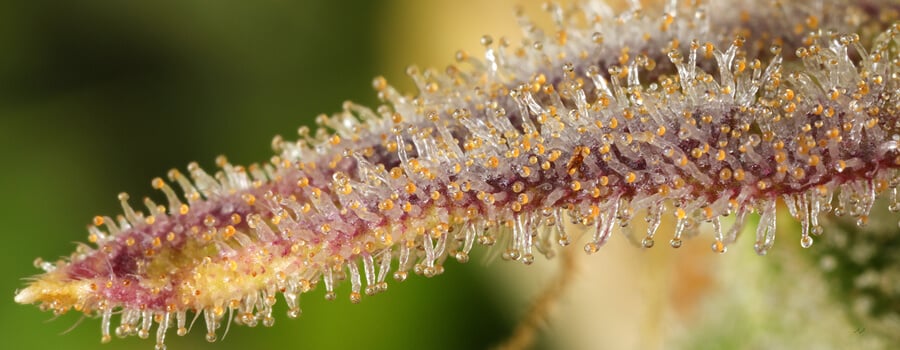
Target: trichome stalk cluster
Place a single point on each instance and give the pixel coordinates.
(699, 111)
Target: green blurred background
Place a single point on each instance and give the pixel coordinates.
(100, 97)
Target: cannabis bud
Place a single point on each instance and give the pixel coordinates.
(696, 111)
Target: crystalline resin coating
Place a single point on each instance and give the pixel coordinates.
(693, 111)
